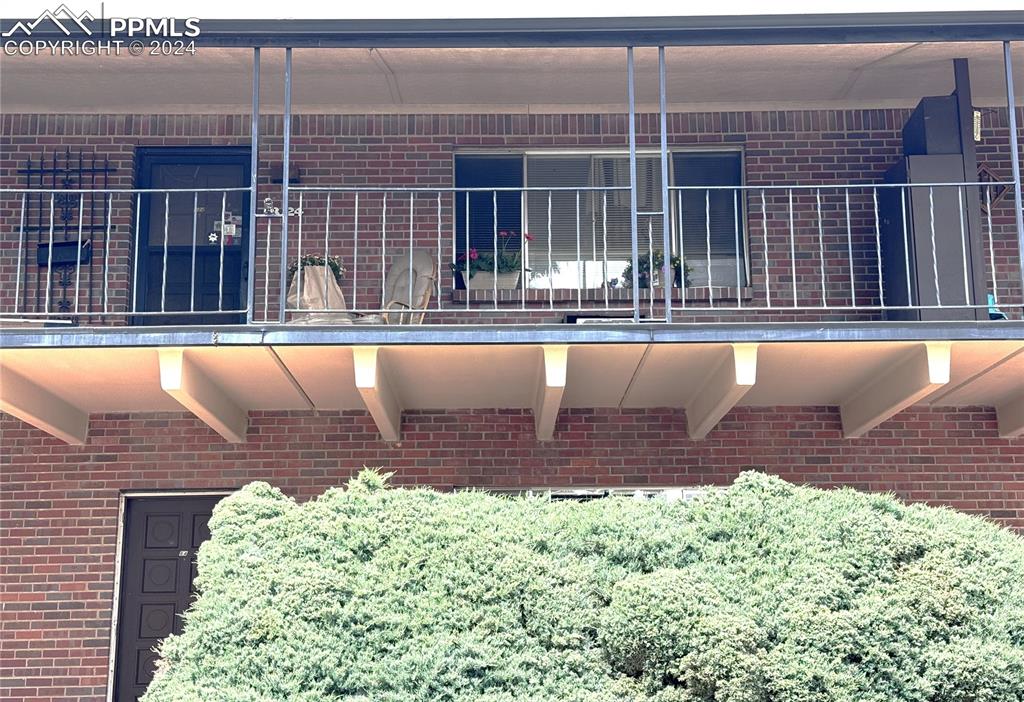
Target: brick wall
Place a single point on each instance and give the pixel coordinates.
(60, 503)
(794, 147)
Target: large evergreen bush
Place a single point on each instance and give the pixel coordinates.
(763, 592)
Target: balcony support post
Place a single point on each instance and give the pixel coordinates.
(667, 275)
(633, 226)
(1018, 198)
(254, 158)
(285, 178)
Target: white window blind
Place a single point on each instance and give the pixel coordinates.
(595, 225)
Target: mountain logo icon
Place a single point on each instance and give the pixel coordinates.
(62, 17)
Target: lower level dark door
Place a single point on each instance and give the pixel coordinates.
(158, 567)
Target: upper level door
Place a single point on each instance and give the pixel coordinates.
(193, 248)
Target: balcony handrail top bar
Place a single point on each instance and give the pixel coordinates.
(538, 189)
(843, 186)
(143, 191)
(845, 28)
(443, 189)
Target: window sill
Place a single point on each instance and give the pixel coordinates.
(597, 295)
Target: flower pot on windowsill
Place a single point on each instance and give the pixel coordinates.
(485, 280)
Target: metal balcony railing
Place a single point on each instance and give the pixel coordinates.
(536, 254)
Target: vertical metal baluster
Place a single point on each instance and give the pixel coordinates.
(707, 234)
(466, 252)
(906, 243)
(579, 259)
(991, 247)
(299, 272)
(220, 264)
(524, 247)
(138, 247)
(437, 278)
(327, 247)
(650, 263)
(383, 251)
(604, 244)
(78, 253)
(960, 195)
(878, 247)
(935, 260)
(163, 277)
(551, 277)
(682, 251)
(736, 225)
(355, 256)
(593, 237)
(412, 214)
(849, 250)
(821, 247)
(792, 246)
(49, 259)
(266, 277)
(767, 268)
(106, 256)
(494, 217)
(21, 251)
(195, 227)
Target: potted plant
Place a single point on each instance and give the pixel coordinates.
(680, 269)
(483, 266)
(318, 288)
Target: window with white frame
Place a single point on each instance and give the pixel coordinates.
(582, 238)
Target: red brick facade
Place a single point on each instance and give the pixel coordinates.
(60, 503)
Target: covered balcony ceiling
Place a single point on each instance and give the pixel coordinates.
(57, 388)
(405, 80)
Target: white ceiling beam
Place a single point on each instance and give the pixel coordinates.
(550, 389)
(889, 390)
(1010, 416)
(377, 391)
(39, 407)
(731, 379)
(188, 384)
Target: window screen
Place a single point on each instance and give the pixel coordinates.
(505, 171)
(696, 208)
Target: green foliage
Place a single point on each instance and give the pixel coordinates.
(763, 592)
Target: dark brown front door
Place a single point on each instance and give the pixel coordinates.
(158, 566)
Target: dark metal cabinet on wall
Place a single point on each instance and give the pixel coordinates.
(940, 249)
(932, 257)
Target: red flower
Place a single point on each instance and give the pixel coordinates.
(505, 233)
(473, 255)
(528, 236)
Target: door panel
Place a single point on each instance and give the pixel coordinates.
(158, 569)
(180, 259)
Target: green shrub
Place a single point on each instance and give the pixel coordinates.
(763, 592)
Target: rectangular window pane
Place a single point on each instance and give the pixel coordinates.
(719, 207)
(471, 171)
